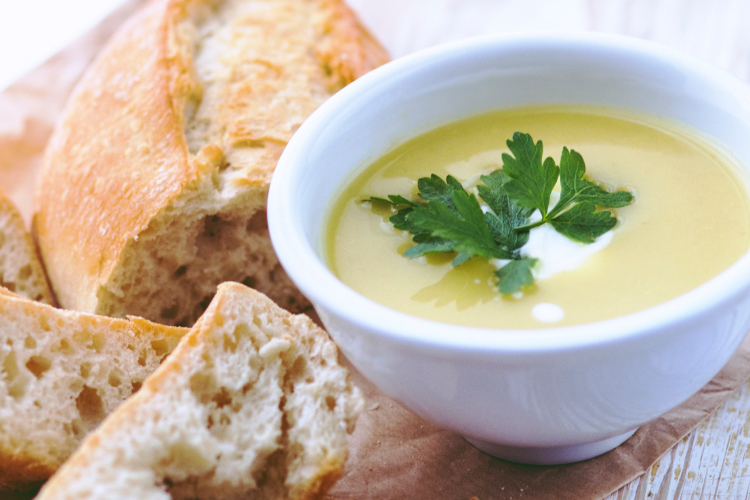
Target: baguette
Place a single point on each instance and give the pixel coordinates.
(61, 373)
(154, 184)
(21, 270)
(251, 404)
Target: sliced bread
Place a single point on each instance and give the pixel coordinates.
(61, 373)
(252, 404)
(21, 270)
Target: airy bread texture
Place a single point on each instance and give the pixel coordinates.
(61, 373)
(20, 268)
(251, 404)
(154, 185)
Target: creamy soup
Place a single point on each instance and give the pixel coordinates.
(690, 220)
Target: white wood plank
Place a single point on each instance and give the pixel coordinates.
(713, 462)
(715, 31)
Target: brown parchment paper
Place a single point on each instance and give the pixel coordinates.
(393, 453)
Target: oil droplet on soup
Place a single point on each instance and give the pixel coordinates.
(689, 222)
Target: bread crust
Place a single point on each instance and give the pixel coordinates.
(119, 156)
(21, 268)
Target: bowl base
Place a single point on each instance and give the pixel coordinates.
(552, 455)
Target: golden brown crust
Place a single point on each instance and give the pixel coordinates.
(117, 158)
(34, 286)
(23, 473)
(349, 51)
(8, 293)
(330, 472)
(120, 157)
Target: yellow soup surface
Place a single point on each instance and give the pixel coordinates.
(690, 219)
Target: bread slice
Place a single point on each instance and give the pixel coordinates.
(252, 404)
(154, 184)
(20, 268)
(61, 373)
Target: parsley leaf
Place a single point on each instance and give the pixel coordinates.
(502, 231)
(438, 190)
(531, 180)
(434, 188)
(399, 221)
(399, 218)
(393, 199)
(464, 226)
(515, 274)
(429, 245)
(507, 214)
(493, 193)
(574, 188)
(447, 219)
(582, 223)
(460, 259)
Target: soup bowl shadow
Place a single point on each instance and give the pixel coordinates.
(544, 396)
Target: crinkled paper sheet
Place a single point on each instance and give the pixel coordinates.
(394, 454)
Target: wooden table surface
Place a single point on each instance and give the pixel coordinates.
(713, 462)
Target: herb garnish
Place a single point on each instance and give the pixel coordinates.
(447, 218)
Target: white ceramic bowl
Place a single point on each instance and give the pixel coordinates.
(542, 396)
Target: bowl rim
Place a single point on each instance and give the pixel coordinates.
(324, 289)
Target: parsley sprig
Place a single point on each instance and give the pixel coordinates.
(446, 218)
